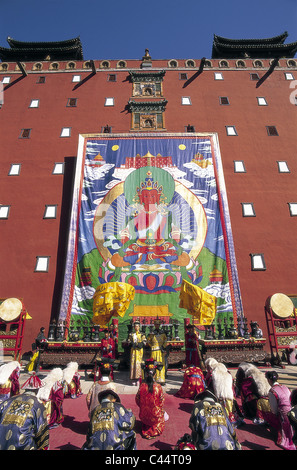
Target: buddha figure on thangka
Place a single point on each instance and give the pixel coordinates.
(159, 227)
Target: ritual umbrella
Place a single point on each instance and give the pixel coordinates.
(111, 299)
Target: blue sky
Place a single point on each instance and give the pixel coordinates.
(117, 29)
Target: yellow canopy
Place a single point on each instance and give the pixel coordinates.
(198, 303)
(111, 300)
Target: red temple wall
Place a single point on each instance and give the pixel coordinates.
(25, 234)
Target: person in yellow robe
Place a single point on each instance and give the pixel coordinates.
(136, 340)
(157, 341)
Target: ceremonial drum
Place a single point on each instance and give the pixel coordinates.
(281, 305)
(10, 309)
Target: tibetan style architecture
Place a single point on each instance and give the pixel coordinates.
(27, 51)
(154, 174)
(224, 48)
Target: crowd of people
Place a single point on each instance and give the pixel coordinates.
(222, 402)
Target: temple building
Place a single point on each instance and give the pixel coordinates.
(236, 110)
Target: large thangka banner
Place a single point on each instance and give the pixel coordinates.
(150, 211)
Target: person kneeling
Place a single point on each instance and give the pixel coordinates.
(210, 425)
(111, 424)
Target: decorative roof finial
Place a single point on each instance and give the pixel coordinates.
(147, 55)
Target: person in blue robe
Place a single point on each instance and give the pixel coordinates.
(111, 424)
(210, 425)
(23, 422)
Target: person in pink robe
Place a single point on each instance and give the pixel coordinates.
(280, 402)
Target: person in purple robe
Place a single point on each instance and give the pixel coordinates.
(210, 424)
(111, 426)
(23, 420)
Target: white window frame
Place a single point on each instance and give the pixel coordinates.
(15, 169)
(239, 166)
(76, 78)
(289, 76)
(186, 101)
(261, 101)
(257, 262)
(248, 209)
(231, 130)
(65, 132)
(50, 211)
(6, 80)
(109, 101)
(218, 76)
(4, 211)
(56, 169)
(42, 264)
(283, 167)
(34, 103)
(293, 208)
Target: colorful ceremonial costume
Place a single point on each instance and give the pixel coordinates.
(114, 334)
(210, 426)
(104, 383)
(157, 341)
(23, 424)
(40, 345)
(220, 382)
(193, 383)
(52, 396)
(253, 389)
(136, 341)
(292, 415)
(111, 425)
(185, 443)
(151, 404)
(9, 380)
(193, 357)
(280, 402)
(71, 381)
(108, 348)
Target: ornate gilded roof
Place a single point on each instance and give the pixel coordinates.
(272, 47)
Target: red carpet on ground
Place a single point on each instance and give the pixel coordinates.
(70, 435)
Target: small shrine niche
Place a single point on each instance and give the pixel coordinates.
(147, 115)
(147, 84)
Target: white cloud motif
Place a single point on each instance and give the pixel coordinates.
(97, 173)
(200, 172)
